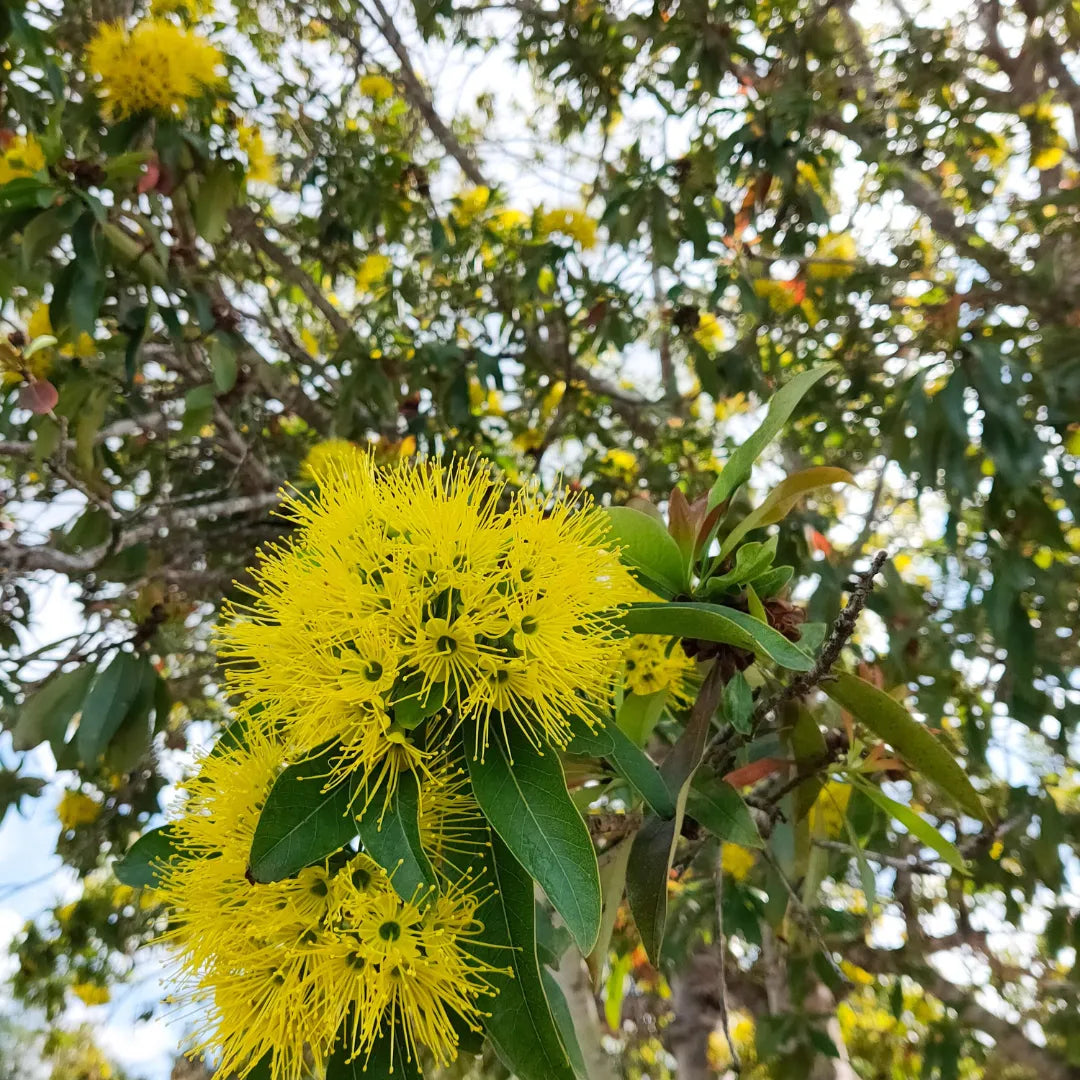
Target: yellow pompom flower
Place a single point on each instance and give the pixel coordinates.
(652, 663)
(91, 993)
(709, 333)
(376, 87)
(507, 222)
(40, 325)
(330, 455)
(76, 809)
(157, 66)
(575, 224)
(335, 937)
(427, 586)
(833, 246)
(22, 156)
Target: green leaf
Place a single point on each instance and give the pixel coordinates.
(647, 879)
(866, 873)
(918, 826)
(781, 499)
(222, 363)
(519, 1021)
(564, 1021)
(216, 197)
(889, 720)
(648, 548)
(523, 795)
(751, 560)
(714, 622)
(630, 762)
(721, 809)
(48, 711)
(411, 705)
(772, 581)
(300, 823)
(738, 703)
(140, 867)
(392, 838)
(127, 747)
(639, 714)
(108, 702)
(782, 404)
(551, 940)
(613, 863)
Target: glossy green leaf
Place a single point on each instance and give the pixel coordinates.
(613, 863)
(648, 548)
(523, 795)
(720, 808)
(751, 560)
(108, 702)
(639, 714)
(782, 404)
(738, 703)
(48, 711)
(564, 1021)
(713, 622)
(140, 867)
(781, 499)
(629, 761)
(388, 1060)
(519, 1020)
(301, 823)
(392, 838)
(917, 825)
(889, 720)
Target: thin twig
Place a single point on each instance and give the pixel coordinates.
(916, 866)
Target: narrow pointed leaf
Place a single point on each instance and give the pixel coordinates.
(714, 622)
(647, 548)
(523, 795)
(48, 711)
(108, 702)
(889, 720)
(394, 841)
(141, 866)
(782, 404)
(720, 808)
(301, 823)
(918, 826)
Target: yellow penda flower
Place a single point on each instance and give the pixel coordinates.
(709, 333)
(376, 87)
(833, 246)
(372, 270)
(91, 993)
(21, 156)
(652, 663)
(829, 809)
(155, 67)
(506, 222)
(335, 937)
(261, 166)
(330, 455)
(623, 461)
(76, 809)
(40, 325)
(426, 585)
(575, 224)
(737, 861)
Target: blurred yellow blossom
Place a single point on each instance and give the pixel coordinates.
(833, 246)
(40, 325)
(75, 809)
(710, 332)
(622, 460)
(829, 809)
(330, 455)
(508, 221)
(261, 167)
(376, 87)
(737, 861)
(859, 976)
(21, 156)
(372, 270)
(575, 224)
(653, 663)
(156, 67)
(91, 993)
(471, 204)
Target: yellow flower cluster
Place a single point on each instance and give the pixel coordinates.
(91, 993)
(261, 167)
(839, 247)
(471, 204)
(376, 87)
(21, 156)
(652, 663)
(155, 67)
(575, 224)
(427, 589)
(332, 959)
(709, 333)
(76, 809)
